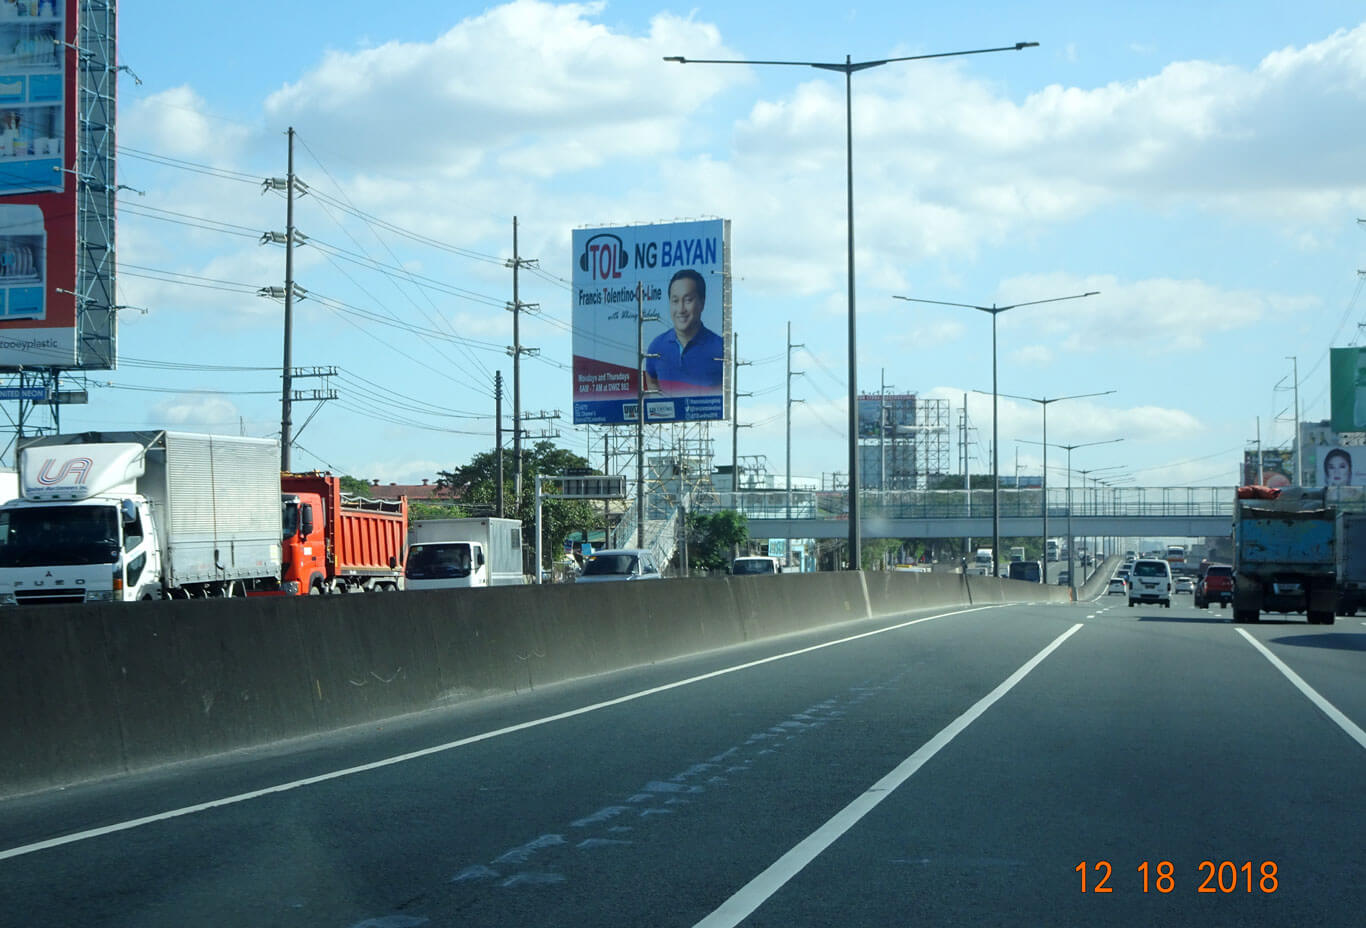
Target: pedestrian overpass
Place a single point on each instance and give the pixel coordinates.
(1094, 512)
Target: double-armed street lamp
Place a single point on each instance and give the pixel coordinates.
(847, 68)
(995, 437)
(1071, 576)
(1044, 401)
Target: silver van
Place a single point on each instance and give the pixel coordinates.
(619, 564)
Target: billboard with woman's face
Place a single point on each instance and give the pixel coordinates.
(1337, 466)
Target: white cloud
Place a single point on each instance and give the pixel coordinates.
(538, 88)
(176, 122)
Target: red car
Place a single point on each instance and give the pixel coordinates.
(1216, 585)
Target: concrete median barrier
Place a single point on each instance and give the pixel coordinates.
(93, 691)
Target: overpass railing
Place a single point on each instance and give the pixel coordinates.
(953, 504)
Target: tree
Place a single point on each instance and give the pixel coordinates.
(476, 483)
(711, 537)
(355, 486)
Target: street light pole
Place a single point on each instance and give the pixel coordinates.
(1044, 401)
(848, 67)
(1072, 577)
(995, 443)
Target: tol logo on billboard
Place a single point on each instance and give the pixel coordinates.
(77, 468)
(604, 257)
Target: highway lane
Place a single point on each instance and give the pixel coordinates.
(1145, 734)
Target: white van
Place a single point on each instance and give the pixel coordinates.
(747, 566)
(1150, 581)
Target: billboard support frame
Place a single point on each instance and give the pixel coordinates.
(96, 184)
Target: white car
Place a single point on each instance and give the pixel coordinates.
(1117, 585)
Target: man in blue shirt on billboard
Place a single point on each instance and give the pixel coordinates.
(690, 357)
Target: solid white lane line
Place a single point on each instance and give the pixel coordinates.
(451, 745)
(1327, 708)
(758, 890)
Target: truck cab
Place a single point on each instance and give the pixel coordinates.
(93, 550)
(304, 547)
(439, 565)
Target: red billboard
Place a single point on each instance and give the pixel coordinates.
(38, 151)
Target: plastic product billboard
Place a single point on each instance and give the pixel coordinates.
(1277, 466)
(37, 187)
(681, 271)
(899, 415)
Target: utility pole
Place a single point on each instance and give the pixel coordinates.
(787, 548)
(287, 389)
(967, 480)
(735, 426)
(1299, 464)
(882, 431)
(640, 411)
(498, 435)
(517, 263)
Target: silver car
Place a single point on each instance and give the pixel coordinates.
(619, 564)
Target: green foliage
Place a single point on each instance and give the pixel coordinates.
(873, 552)
(712, 537)
(355, 486)
(422, 509)
(477, 484)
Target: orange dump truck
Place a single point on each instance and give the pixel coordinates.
(337, 543)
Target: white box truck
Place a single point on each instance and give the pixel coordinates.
(463, 553)
(124, 516)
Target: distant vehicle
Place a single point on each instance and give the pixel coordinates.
(133, 515)
(983, 558)
(1151, 582)
(1215, 586)
(460, 553)
(1052, 547)
(1283, 554)
(338, 543)
(1176, 554)
(1117, 585)
(744, 566)
(1028, 571)
(1064, 577)
(1350, 552)
(1017, 554)
(1184, 585)
(619, 564)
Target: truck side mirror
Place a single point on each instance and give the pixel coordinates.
(306, 519)
(393, 562)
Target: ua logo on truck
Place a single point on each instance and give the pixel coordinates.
(77, 468)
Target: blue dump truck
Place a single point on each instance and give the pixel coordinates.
(1284, 554)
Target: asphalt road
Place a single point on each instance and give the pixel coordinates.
(958, 770)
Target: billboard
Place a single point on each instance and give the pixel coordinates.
(1277, 466)
(1335, 465)
(680, 272)
(1347, 382)
(900, 414)
(38, 153)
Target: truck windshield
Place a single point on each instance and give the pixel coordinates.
(431, 562)
(59, 536)
(753, 566)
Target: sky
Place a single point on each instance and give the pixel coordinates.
(1203, 169)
